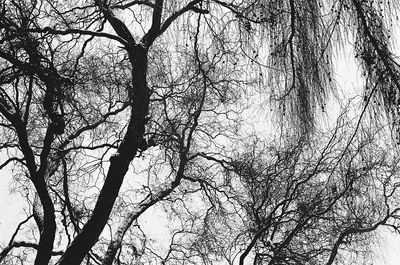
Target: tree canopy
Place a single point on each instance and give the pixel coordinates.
(198, 132)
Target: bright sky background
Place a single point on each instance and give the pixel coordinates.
(11, 208)
(387, 251)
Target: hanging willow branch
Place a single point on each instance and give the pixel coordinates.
(301, 57)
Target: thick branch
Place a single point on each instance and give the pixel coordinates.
(174, 16)
(251, 245)
(154, 30)
(119, 27)
(149, 201)
(47, 234)
(132, 3)
(119, 162)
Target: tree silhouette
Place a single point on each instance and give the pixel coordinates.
(111, 109)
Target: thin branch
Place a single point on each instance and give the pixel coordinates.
(80, 31)
(19, 244)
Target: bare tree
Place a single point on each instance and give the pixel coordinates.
(96, 93)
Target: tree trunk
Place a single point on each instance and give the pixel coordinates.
(49, 223)
(139, 97)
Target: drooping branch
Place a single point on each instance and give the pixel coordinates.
(376, 58)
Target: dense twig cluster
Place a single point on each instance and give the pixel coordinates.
(112, 112)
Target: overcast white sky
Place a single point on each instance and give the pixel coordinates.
(387, 251)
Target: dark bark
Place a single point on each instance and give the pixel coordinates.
(47, 234)
(38, 213)
(250, 246)
(159, 195)
(49, 223)
(84, 241)
(139, 96)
